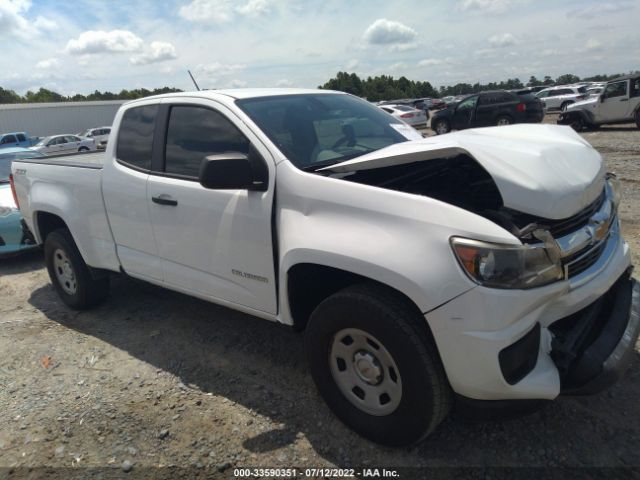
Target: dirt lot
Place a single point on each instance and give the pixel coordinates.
(154, 378)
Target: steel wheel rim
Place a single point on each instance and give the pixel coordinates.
(365, 372)
(64, 272)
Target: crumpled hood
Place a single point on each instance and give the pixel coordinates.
(544, 170)
(589, 102)
(6, 197)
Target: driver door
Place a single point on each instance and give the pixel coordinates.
(465, 113)
(213, 243)
(614, 102)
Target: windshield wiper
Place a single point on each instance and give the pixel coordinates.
(317, 166)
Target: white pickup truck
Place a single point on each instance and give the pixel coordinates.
(484, 267)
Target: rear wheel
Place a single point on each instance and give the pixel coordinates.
(441, 127)
(503, 120)
(376, 365)
(69, 273)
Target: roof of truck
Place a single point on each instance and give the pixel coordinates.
(242, 93)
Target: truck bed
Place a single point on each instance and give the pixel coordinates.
(93, 160)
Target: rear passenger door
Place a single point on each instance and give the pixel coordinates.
(215, 244)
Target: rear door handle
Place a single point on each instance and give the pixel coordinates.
(164, 199)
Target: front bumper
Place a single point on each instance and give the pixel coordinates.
(596, 345)
(15, 236)
(473, 329)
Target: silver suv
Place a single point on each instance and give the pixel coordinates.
(559, 98)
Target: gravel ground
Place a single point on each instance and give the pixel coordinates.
(153, 378)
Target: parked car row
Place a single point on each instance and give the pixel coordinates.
(412, 116)
(494, 108)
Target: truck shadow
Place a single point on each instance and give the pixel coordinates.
(261, 366)
(22, 263)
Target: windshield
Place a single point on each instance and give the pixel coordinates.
(316, 130)
(5, 162)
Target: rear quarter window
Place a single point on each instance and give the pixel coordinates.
(135, 137)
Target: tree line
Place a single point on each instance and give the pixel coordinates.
(385, 87)
(382, 87)
(44, 95)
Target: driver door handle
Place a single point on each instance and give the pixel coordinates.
(164, 199)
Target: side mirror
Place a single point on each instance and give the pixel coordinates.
(229, 171)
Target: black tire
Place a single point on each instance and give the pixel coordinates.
(638, 118)
(382, 313)
(441, 126)
(83, 149)
(88, 290)
(504, 120)
(577, 123)
(564, 106)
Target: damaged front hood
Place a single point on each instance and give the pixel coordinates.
(543, 170)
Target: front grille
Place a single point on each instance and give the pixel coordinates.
(560, 228)
(585, 258)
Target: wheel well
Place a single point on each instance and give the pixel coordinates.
(47, 223)
(308, 284)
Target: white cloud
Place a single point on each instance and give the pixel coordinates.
(430, 62)
(47, 63)
(397, 66)
(403, 47)
(157, 52)
(255, 8)
(599, 9)
(12, 20)
(502, 40)
(219, 69)
(284, 82)
(489, 6)
(352, 64)
(42, 23)
(237, 83)
(100, 41)
(389, 32)
(221, 11)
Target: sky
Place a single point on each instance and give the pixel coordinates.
(80, 46)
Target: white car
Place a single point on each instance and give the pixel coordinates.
(559, 98)
(59, 144)
(409, 115)
(485, 266)
(99, 134)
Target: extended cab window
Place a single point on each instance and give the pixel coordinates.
(195, 133)
(21, 138)
(135, 138)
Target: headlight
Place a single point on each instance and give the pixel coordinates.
(507, 266)
(613, 184)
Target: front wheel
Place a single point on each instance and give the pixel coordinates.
(376, 366)
(577, 123)
(441, 127)
(69, 273)
(564, 106)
